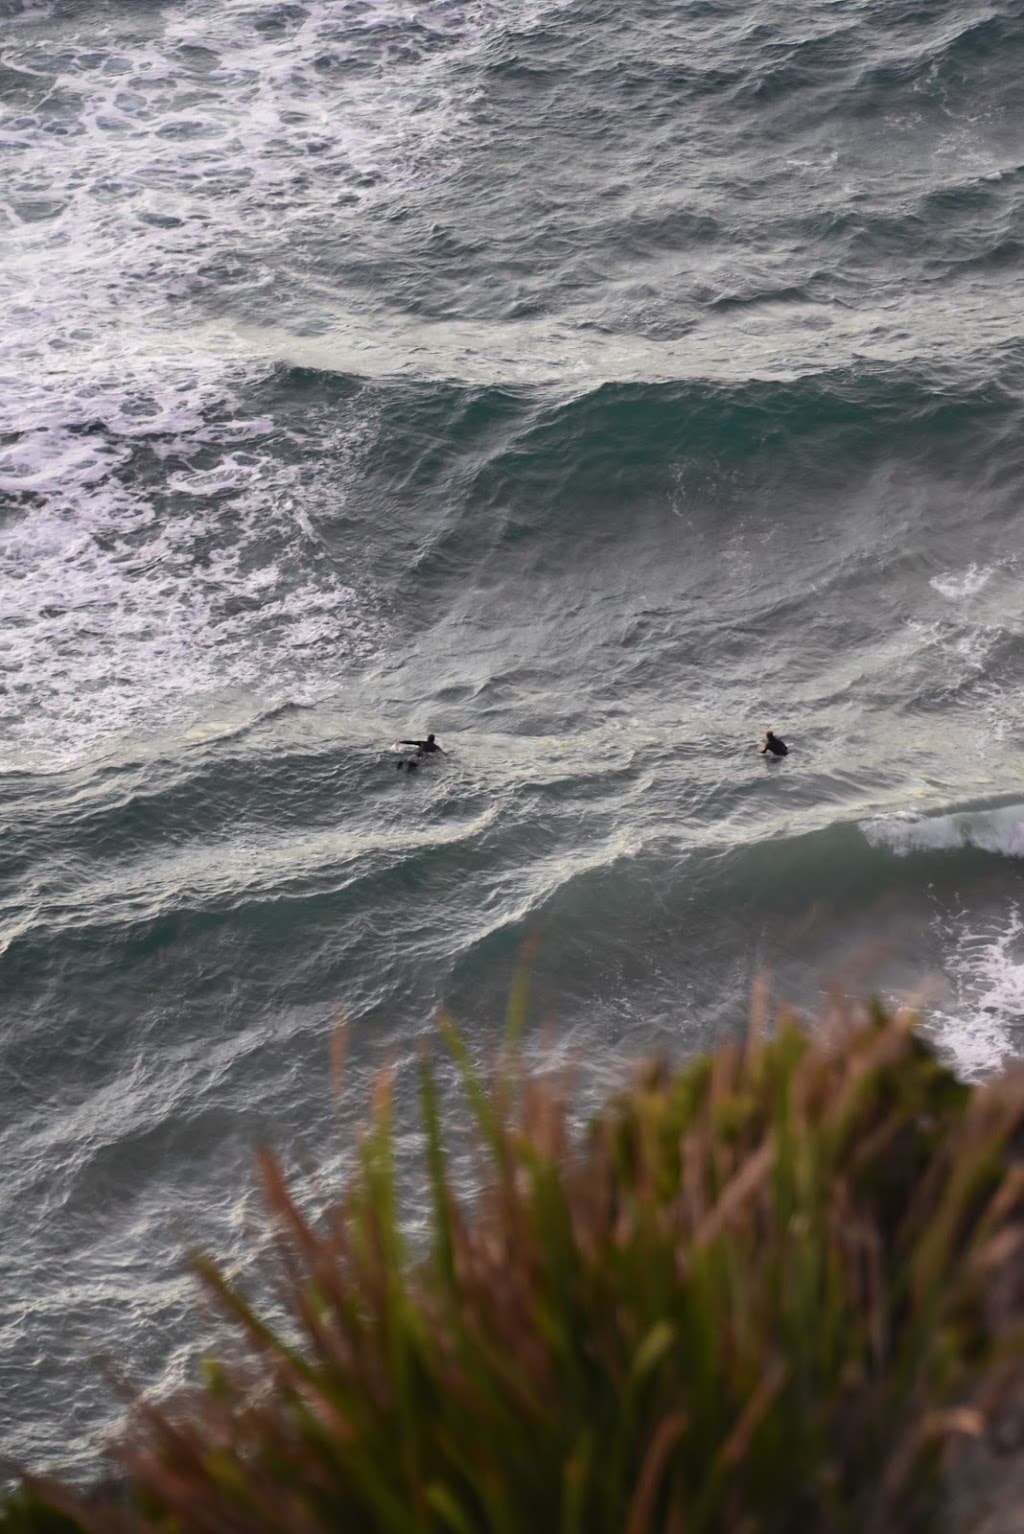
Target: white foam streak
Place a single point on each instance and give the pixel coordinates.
(985, 970)
(957, 587)
(161, 168)
(999, 831)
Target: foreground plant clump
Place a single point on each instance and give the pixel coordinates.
(769, 1291)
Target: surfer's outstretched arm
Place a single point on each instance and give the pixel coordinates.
(425, 747)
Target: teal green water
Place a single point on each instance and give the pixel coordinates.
(593, 385)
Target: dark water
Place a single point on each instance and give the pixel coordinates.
(595, 385)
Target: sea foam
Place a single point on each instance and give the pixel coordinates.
(979, 1025)
(998, 830)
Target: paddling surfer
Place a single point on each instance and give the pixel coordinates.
(424, 748)
(773, 746)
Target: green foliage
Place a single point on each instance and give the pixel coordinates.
(30, 1513)
(758, 1294)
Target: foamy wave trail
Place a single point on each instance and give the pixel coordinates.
(958, 586)
(977, 1010)
(158, 562)
(998, 829)
(161, 567)
(980, 1019)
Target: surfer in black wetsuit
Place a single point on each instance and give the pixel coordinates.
(424, 748)
(773, 745)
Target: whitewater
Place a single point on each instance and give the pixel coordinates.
(596, 386)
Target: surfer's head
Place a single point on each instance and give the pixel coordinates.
(430, 738)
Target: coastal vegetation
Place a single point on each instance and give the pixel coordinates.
(775, 1289)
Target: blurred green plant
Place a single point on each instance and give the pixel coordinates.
(28, 1513)
(765, 1292)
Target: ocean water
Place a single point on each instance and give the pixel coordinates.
(595, 385)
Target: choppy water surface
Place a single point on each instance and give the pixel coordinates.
(594, 385)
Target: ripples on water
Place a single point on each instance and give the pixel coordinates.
(595, 386)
